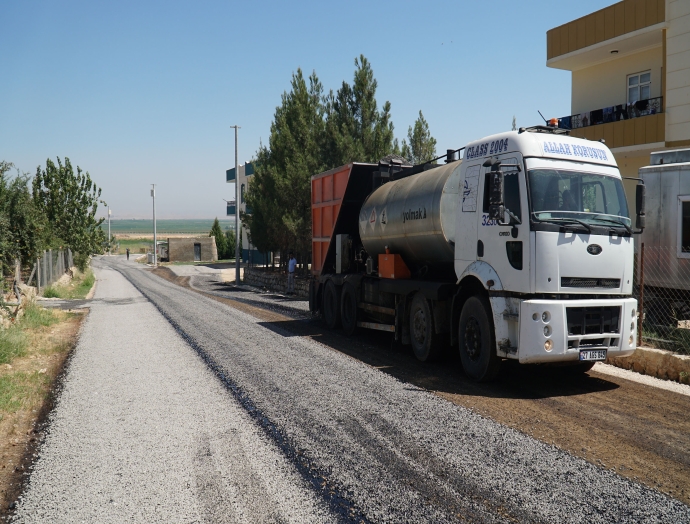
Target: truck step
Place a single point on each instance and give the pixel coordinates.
(379, 327)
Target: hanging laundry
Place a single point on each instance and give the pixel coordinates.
(621, 112)
(564, 123)
(608, 114)
(584, 119)
(596, 117)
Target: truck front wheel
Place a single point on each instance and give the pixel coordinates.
(331, 305)
(425, 341)
(476, 340)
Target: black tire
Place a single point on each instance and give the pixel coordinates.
(348, 309)
(331, 305)
(476, 340)
(425, 341)
(312, 296)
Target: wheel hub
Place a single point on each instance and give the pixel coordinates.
(473, 339)
(419, 326)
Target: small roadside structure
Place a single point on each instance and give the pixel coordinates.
(192, 249)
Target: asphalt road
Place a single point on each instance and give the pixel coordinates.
(349, 440)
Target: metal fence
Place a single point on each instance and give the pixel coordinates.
(50, 267)
(662, 289)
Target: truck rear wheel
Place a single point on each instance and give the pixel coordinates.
(476, 340)
(425, 341)
(348, 309)
(331, 305)
(312, 296)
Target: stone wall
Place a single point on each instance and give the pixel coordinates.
(182, 249)
(657, 363)
(274, 280)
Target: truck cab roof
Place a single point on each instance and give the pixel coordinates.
(536, 142)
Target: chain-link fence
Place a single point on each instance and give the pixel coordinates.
(50, 267)
(662, 289)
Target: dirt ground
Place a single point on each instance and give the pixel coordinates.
(639, 431)
(20, 432)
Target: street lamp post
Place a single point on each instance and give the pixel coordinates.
(237, 213)
(155, 246)
(109, 235)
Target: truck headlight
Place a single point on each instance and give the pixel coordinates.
(547, 331)
(548, 345)
(546, 316)
(632, 326)
(631, 340)
(633, 313)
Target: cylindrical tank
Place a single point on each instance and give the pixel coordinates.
(414, 217)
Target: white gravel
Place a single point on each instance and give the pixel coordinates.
(667, 385)
(387, 451)
(143, 431)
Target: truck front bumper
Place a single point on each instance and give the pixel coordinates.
(557, 330)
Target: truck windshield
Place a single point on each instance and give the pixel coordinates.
(580, 197)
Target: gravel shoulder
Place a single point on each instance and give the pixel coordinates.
(382, 436)
(144, 431)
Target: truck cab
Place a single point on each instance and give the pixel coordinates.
(558, 265)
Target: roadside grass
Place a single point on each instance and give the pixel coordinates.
(32, 353)
(14, 340)
(79, 287)
(12, 344)
(21, 389)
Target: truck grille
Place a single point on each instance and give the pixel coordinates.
(590, 282)
(593, 320)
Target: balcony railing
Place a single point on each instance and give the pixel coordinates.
(651, 106)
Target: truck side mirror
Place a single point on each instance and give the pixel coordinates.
(640, 197)
(496, 196)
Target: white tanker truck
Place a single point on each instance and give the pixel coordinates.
(521, 250)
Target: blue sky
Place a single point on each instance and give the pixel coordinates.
(144, 92)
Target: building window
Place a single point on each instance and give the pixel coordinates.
(684, 226)
(639, 87)
(242, 194)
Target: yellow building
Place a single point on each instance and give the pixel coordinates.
(630, 66)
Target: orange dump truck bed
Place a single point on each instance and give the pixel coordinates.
(336, 197)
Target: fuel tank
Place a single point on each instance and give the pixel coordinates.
(415, 217)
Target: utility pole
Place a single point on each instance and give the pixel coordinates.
(155, 245)
(237, 212)
(109, 236)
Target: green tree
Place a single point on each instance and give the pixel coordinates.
(22, 225)
(422, 146)
(230, 242)
(279, 193)
(221, 241)
(69, 202)
(355, 129)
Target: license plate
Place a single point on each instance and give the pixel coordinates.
(593, 354)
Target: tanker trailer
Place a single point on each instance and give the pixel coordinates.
(522, 249)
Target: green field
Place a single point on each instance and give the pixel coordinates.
(145, 226)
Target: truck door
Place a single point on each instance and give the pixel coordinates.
(467, 218)
(506, 248)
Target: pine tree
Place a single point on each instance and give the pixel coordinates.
(221, 241)
(356, 131)
(422, 146)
